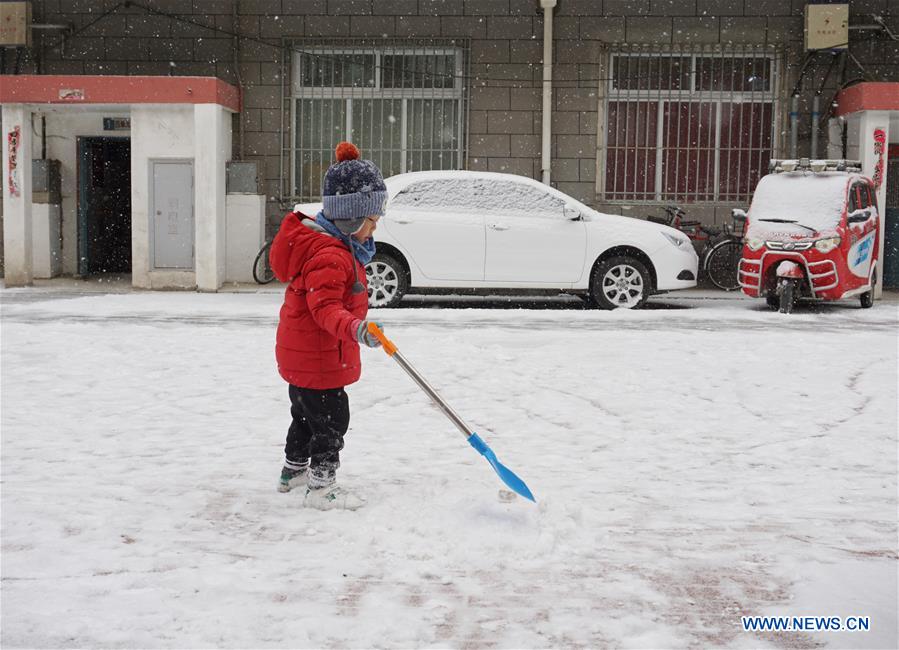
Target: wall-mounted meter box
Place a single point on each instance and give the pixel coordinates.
(826, 26)
(15, 24)
(241, 178)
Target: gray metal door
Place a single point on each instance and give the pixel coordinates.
(172, 214)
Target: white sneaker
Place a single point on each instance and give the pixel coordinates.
(332, 497)
(291, 478)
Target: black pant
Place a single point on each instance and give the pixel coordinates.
(320, 420)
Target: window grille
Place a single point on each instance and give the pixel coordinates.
(692, 125)
(403, 103)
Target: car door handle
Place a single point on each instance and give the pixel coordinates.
(499, 226)
(401, 221)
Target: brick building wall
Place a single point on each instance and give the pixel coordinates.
(194, 37)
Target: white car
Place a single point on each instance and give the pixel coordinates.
(488, 231)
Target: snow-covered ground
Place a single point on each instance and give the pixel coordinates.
(692, 465)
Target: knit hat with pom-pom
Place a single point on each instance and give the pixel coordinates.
(352, 190)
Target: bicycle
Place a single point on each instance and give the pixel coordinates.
(262, 269)
(722, 247)
(722, 252)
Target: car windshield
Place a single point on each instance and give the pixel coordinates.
(797, 203)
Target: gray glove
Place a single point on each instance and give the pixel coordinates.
(364, 336)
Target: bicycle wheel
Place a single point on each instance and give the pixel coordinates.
(722, 263)
(262, 270)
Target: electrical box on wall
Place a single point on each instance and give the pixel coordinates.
(241, 178)
(826, 26)
(45, 181)
(15, 24)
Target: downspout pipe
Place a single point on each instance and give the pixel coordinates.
(794, 105)
(816, 105)
(794, 125)
(235, 57)
(816, 115)
(546, 159)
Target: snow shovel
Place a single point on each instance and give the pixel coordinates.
(507, 475)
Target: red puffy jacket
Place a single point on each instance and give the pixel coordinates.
(316, 344)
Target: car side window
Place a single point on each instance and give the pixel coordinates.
(872, 196)
(862, 195)
(482, 195)
(521, 198)
(454, 193)
(853, 198)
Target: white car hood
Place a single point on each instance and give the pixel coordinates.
(309, 209)
(630, 228)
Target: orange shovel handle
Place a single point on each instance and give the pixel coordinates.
(386, 343)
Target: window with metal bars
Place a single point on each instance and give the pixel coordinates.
(688, 126)
(403, 105)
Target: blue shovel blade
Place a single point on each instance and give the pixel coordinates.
(507, 475)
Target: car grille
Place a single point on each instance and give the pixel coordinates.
(789, 245)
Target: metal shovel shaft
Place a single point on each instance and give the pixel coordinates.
(427, 388)
(508, 476)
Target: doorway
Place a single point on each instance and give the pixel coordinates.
(104, 205)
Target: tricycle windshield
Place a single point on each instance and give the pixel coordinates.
(814, 201)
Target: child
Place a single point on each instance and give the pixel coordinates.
(322, 321)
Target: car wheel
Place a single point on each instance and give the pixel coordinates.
(387, 281)
(620, 282)
(787, 297)
(773, 300)
(867, 298)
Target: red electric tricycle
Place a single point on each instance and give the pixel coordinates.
(812, 233)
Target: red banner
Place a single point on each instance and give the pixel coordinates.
(880, 139)
(13, 138)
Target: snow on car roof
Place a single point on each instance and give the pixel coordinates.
(477, 192)
(511, 198)
(444, 187)
(404, 179)
(814, 199)
(399, 181)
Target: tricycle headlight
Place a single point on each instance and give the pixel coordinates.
(677, 241)
(755, 243)
(828, 244)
